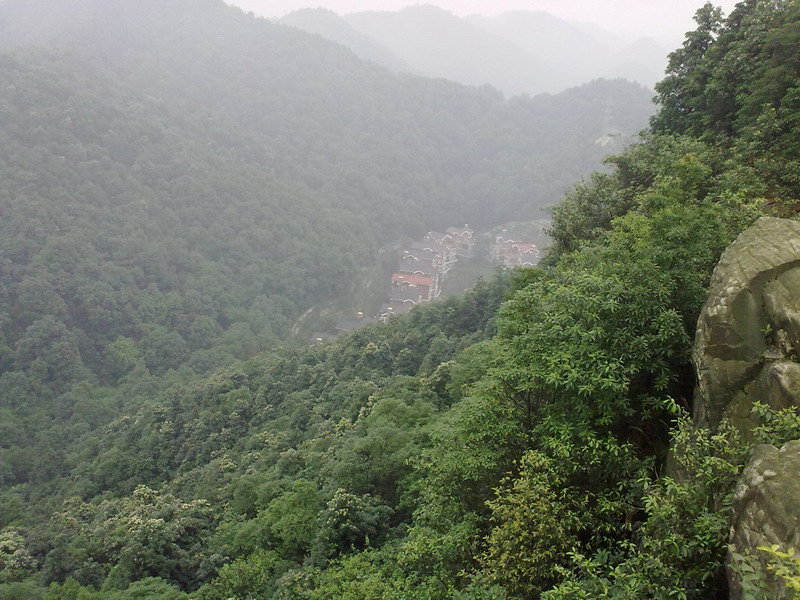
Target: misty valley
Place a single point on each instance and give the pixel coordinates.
(397, 304)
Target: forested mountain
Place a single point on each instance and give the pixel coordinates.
(509, 444)
(518, 52)
(180, 180)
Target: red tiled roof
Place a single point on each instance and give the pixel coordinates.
(526, 247)
(412, 279)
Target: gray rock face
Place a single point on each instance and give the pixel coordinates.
(767, 509)
(748, 335)
(746, 351)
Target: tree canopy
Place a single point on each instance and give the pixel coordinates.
(526, 440)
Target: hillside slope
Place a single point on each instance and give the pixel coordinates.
(184, 179)
(519, 442)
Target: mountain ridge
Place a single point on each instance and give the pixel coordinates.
(518, 52)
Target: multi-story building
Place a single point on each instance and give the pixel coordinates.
(511, 254)
(447, 255)
(426, 287)
(464, 239)
(414, 259)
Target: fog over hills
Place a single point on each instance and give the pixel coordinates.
(182, 152)
(576, 53)
(335, 28)
(436, 43)
(516, 52)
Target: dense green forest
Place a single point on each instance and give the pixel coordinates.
(181, 180)
(508, 444)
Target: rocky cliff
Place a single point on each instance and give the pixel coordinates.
(766, 508)
(749, 331)
(746, 351)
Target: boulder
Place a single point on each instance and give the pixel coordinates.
(748, 334)
(766, 508)
(746, 351)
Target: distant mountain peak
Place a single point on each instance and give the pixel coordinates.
(334, 27)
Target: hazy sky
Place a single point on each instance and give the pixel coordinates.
(666, 20)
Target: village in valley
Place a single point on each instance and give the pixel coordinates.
(423, 267)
